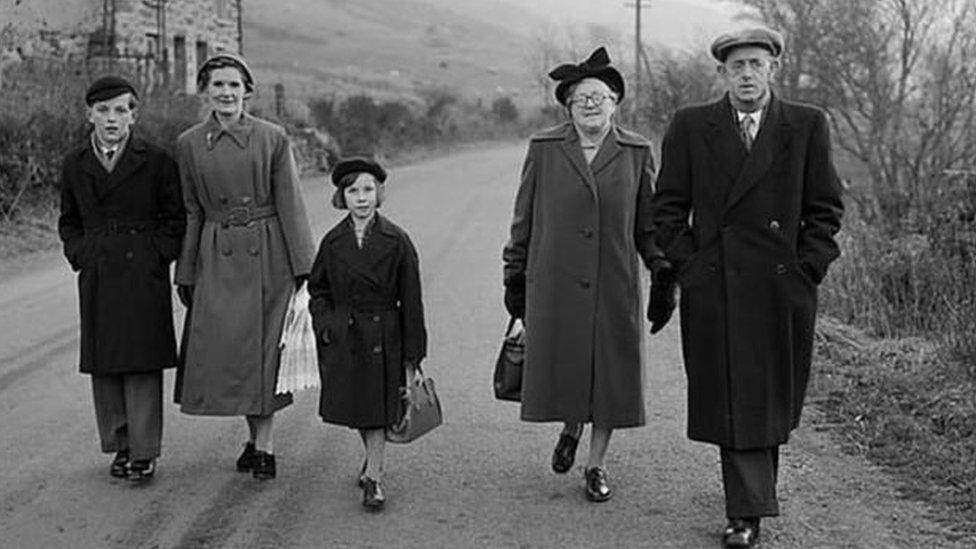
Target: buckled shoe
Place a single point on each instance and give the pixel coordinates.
(373, 497)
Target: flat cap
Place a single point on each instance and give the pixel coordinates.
(357, 164)
(757, 36)
(597, 65)
(108, 87)
(221, 60)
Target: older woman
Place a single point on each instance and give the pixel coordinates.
(571, 268)
(247, 246)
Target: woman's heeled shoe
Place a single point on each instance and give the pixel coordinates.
(245, 462)
(564, 454)
(373, 497)
(120, 464)
(264, 466)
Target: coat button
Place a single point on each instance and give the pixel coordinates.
(712, 267)
(780, 269)
(253, 251)
(226, 251)
(128, 255)
(774, 225)
(584, 284)
(351, 321)
(245, 200)
(223, 199)
(377, 349)
(587, 233)
(133, 231)
(376, 318)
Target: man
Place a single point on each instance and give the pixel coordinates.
(122, 223)
(746, 208)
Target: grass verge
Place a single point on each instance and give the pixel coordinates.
(904, 406)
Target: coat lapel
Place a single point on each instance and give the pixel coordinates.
(571, 149)
(133, 157)
(361, 261)
(609, 150)
(772, 138)
(724, 141)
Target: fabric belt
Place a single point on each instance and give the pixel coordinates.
(242, 215)
(373, 308)
(115, 227)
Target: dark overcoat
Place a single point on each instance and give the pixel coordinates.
(368, 314)
(577, 236)
(751, 234)
(247, 238)
(121, 230)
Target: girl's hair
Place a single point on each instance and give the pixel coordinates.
(339, 196)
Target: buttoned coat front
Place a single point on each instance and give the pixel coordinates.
(121, 230)
(243, 271)
(751, 234)
(577, 236)
(368, 313)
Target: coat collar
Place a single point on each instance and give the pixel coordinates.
(361, 261)
(239, 132)
(773, 137)
(609, 150)
(133, 156)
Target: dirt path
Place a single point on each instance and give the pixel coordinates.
(481, 480)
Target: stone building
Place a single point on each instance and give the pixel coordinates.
(161, 42)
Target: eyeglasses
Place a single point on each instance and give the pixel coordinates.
(596, 98)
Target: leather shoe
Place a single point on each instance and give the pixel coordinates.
(245, 462)
(120, 464)
(565, 453)
(596, 485)
(361, 481)
(141, 470)
(741, 532)
(373, 498)
(264, 466)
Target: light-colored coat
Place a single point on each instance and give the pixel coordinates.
(577, 234)
(243, 275)
(759, 240)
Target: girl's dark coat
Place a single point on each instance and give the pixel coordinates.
(368, 315)
(120, 232)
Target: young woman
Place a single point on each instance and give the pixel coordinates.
(247, 246)
(368, 315)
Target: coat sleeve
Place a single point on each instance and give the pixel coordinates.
(672, 201)
(319, 286)
(291, 207)
(70, 228)
(187, 263)
(644, 222)
(822, 207)
(516, 250)
(170, 214)
(411, 304)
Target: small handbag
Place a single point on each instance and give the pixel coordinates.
(420, 410)
(508, 367)
(298, 366)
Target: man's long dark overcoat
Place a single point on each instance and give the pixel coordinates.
(751, 234)
(121, 230)
(577, 235)
(368, 313)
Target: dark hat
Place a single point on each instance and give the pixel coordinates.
(225, 59)
(357, 164)
(596, 66)
(758, 36)
(108, 87)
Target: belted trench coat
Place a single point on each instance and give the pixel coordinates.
(247, 239)
(121, 230)
(751, 234)
(368, 313)
(577, 236)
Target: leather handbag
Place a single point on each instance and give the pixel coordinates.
(420, 410)
(508, 367)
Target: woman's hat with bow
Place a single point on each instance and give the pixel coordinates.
(596, 66)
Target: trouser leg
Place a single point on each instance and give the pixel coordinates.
(749, 478)
(144, 412)
(109, 399)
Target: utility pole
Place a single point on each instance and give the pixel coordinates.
(638, 5)
(240, 27)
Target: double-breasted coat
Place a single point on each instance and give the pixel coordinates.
(577, 236)
(368, 313)
(121, 230)
(751, 235)
(247, 240)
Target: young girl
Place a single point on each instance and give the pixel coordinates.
(368, 315)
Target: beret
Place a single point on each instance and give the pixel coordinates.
(357, 164)
(757, 36)
(225, 59)
(597, 65)
(108, 87)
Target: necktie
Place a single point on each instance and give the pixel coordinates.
(746, 125)
(109, 153)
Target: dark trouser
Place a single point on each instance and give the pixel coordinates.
(129, 412)
(749, 477)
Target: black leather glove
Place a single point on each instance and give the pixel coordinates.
(185, 293)
(661, 306)
(515, 301)
(662, 272)
(299, 280)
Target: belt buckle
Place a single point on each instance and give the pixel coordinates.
(237, 216)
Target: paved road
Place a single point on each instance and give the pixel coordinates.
(481, 480)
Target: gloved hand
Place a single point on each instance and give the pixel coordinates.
(185, 293)
(515, 301)
(662, 272)
(661, 306)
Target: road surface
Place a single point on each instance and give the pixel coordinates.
(481, 480)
